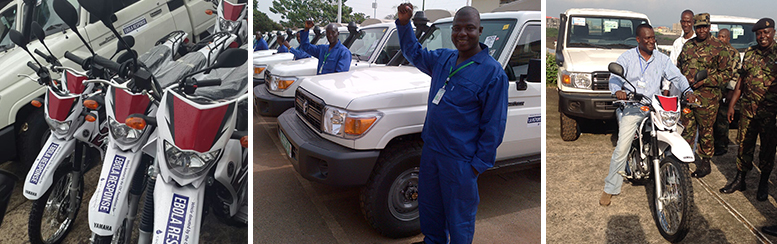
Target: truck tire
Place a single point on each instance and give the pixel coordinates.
(389, 201)
(570, 130)
(33, 133)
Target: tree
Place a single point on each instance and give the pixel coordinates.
(263, 23)
(323, 12)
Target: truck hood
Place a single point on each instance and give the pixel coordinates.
(373, 88)
(590, 59)
(263, 53)
(306, 67)
(278, 57)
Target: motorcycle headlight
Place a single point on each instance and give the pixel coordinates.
(276, 83)
(227, 25)
(123, 133)
(349, 125)
(258, 69)
(669, 118)
(188, 163)
(575, 79)
(60, 128)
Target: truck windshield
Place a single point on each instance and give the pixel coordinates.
(366, 42)
(495, 34)
(602, 32)
(7, 22)
(741, 36)
(44, 14)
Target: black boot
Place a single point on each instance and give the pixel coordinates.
(737, 184)
(702, 169)
(763, 187)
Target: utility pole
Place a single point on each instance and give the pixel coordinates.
(375, 9)
(339, 11)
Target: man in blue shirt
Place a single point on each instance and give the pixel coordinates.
(260, 43)
(331, 58)
(298, 54)
(644, 69)
(465, 123)
(281, 48)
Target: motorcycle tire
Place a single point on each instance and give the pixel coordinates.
(674, 219)
(56, 196)
(98, 239)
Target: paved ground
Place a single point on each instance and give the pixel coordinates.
(291, 209)
(575, 178)
(14, 228)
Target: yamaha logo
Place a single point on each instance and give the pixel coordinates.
(305, 107)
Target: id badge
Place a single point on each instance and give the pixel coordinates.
(438, 97)
(641, 83)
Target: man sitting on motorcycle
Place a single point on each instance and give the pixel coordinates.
(645, 69)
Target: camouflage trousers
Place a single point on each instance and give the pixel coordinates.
(720, 131)
(762, 124)
(703, 120)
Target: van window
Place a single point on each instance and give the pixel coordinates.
(741, 36)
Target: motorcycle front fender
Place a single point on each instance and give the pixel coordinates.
(178, 212)
(41, 174)
(109, 204)
(678, 145)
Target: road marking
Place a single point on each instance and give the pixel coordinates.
(734, 213)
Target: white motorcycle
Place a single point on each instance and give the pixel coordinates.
(659, 154)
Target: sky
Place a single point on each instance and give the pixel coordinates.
(667, 12)
(384, 6)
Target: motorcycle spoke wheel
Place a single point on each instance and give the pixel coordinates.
(672, 209)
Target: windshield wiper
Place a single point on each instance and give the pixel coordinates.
(585, 44)
(358, 57)
(56, 26)
(620, 45)
(5, 47)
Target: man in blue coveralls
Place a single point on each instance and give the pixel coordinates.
(260, 43)
(298, 54)
(465, 123)
(281, 48)
(331, 58)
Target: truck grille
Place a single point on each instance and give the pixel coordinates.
(267, 77)
(309, 107)
(601, 80)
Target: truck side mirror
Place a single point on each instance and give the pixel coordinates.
(420, 21)
(533, 75)
(615, 69)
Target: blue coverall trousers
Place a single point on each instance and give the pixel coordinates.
(447, 198)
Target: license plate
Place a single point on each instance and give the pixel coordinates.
(285, 143)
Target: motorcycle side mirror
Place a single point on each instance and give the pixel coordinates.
(700, 75)
(18, 39)
(231, 58)
(615, 69)
(101, 9)
(67, 13)
(130, 42)
(37, 31)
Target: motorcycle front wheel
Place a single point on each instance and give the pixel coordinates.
(674, 214)
(52, 217)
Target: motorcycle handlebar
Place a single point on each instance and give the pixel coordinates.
(39, 53)
(33, 66)
(209, 82)
(107, 63)
(74, 58)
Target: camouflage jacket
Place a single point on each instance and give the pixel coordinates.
(758, 75)
(718, 58)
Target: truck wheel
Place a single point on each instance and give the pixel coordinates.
(389, 202)
(33, 133)
(570, 130)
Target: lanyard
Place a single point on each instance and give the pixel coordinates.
(322, 64)
(639, 57)
(453, 72)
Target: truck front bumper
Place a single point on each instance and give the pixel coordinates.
(258, 81)
(320, 160)
(589, 106)
(269, 104)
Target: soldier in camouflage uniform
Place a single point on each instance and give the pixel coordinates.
(758, 107)
(705, 53)
(720, 131)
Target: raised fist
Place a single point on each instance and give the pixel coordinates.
(404, 13)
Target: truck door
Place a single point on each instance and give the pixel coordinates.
(147, 20)
(200, 22)
(524, 121)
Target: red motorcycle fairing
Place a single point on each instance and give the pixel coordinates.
(75, 83)
(232, 11)
(668, 103)
(193, 128)
(59, 108)
(131, 104)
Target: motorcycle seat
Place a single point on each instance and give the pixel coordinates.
(155, 57)
(170, 73)
(234, 82)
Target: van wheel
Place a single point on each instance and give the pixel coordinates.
(33, 133)
(389, 201)
(570, 130)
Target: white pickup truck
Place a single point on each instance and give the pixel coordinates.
(362, 127)
(21, 125)
(374, 46)
(589, 39)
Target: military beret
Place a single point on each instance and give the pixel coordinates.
(763, 23)
(701, 19)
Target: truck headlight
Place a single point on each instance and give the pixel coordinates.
(349, 125)
(60, 128)
(188, 163)
(123, 133)
(669, 118)
(575, 79)
(258, 69)
(276, 83)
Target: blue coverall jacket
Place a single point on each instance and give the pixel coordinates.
(329, 61)
(283, 49)
(461, 133)
(260, 44)
(298, 54)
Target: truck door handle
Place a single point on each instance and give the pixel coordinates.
(155, 13)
